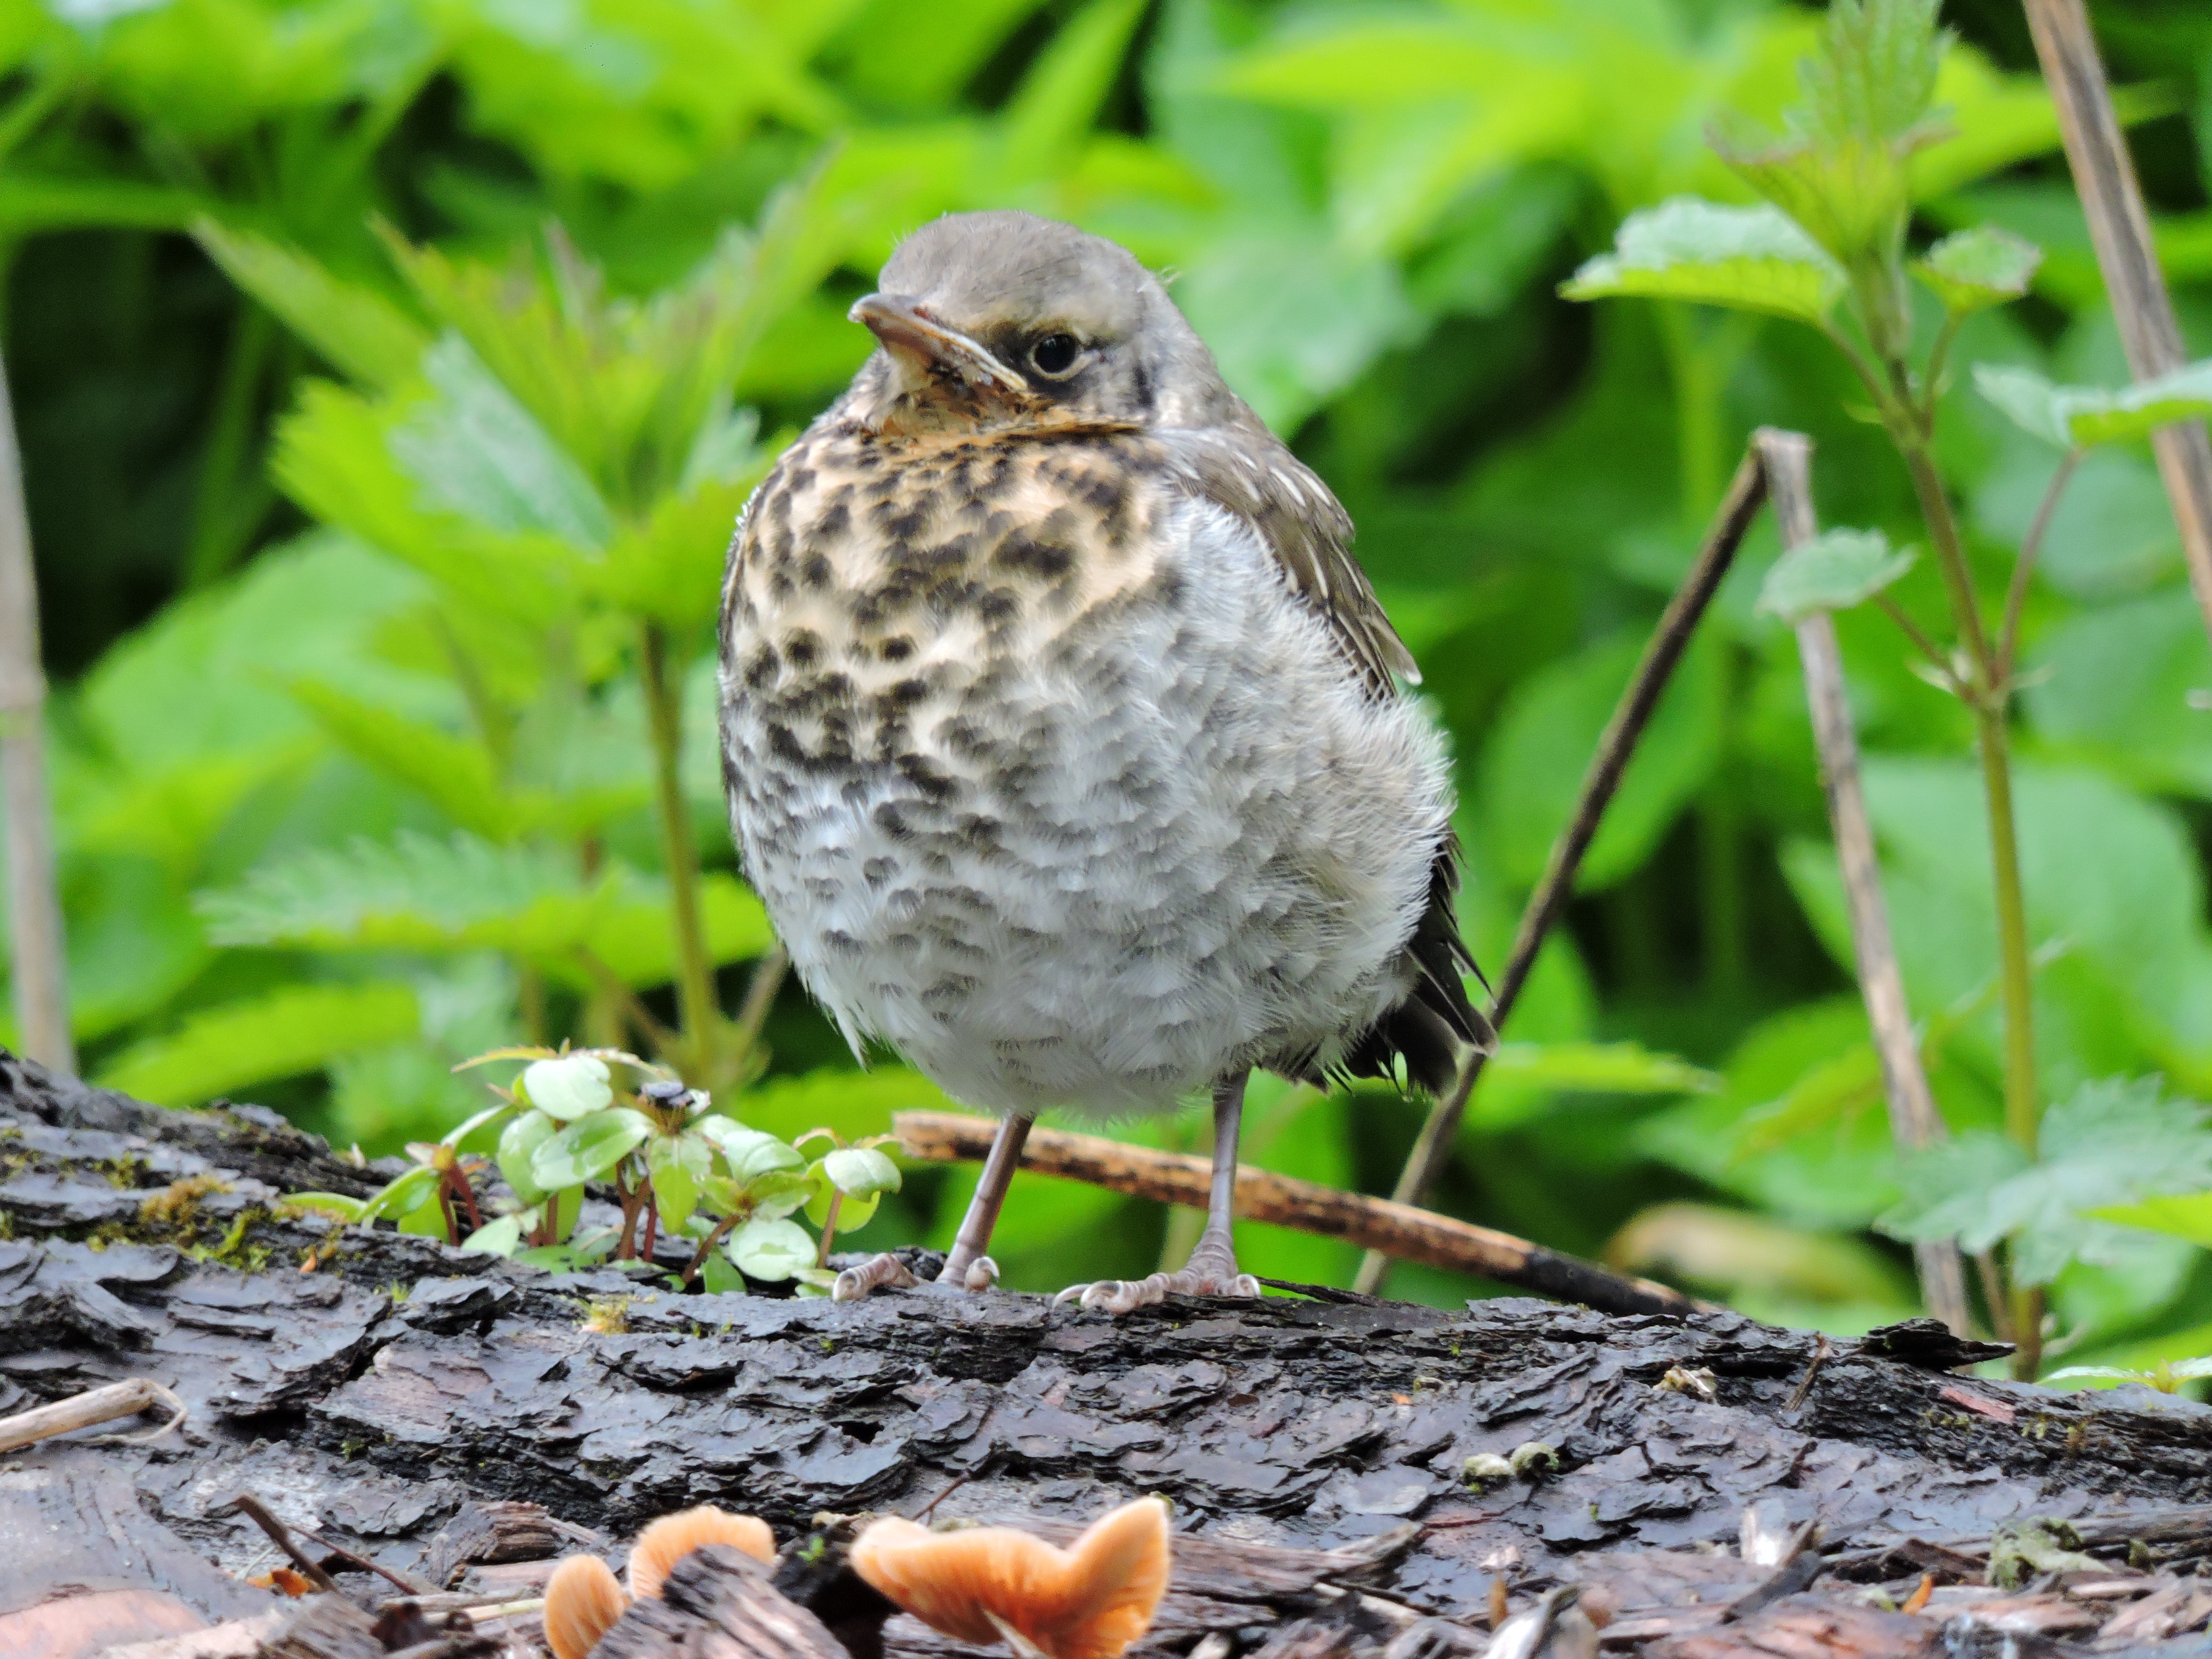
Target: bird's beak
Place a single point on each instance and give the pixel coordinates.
(928, 347)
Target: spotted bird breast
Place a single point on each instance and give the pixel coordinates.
(1047, 779)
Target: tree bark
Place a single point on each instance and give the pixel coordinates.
(396, 1398)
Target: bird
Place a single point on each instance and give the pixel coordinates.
(1065, 743)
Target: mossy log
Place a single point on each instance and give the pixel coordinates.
(401, 1398)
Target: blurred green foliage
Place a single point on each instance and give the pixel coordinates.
(364, 591)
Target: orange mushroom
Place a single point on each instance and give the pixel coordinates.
(582, 1602)
(670, 1539)
(1089, 1602)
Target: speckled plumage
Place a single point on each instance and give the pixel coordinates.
(1060, 726)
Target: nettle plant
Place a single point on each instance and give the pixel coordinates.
(1827, 248)
(679, 1170)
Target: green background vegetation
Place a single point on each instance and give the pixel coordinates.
(363, 596)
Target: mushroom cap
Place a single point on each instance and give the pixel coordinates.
(1087, 1601)
(668, 1539)
(582, 1602)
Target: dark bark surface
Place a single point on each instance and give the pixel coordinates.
(375, 1398)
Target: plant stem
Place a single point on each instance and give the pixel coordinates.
(2016, 595)
(699, 1018)
(1912, 631)
(760, 998)
(829, 1228)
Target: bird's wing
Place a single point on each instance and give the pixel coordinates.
(1248, 472)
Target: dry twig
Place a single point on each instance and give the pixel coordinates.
(82, 1411)
(1668, 640)
(1398, 1230)
(2105, 174)
(37, 964)
(1913, 1119)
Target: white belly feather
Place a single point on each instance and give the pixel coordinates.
(1211, 851)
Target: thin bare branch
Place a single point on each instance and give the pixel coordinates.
(2016, 595)
(2105, 174)
(37, 960)
(1398, 1230)
(1630, 716)
(1914, 1120)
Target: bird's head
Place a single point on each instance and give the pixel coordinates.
(998, 321)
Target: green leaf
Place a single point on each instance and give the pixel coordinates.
(2111, 1143)
(1745, 258)
(462, 894)
(478, 453)
(2187, 1215)
(748, 1152)
(499, 1237)
(1875, 74)
(1606, 1068)
(2074, 417)
(589, 1147)
(337, 1204)
(1979, 267)
(860, 1171)
(219, 1050)
(456, 773)
(404, 1196)
(1834, 571)
(676, 1165)
(518, 1144)
(771, 1251)
(776, 1193)
(852, 1213)
(357, 329)
(566, 1088)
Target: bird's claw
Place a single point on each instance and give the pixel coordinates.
(888, 1272)
(1121, 1295)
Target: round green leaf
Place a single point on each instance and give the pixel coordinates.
(770, 1250)
(1979, 267)
(676, 1165)
(404, 1196)
(568, 1087)
(498, 1237)
(337, 1204)
(860, 1171)
(588, 1148)
(747, 1153)
(853, 1211)
(518, 1144)
(1832, 572)
(776, 1194)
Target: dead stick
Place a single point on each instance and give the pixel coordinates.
(82, 1411)
(280, 1535)
(39, 969)
(1914, 1121)
(2105, 174)
(1668, 640)
(1397, 1230)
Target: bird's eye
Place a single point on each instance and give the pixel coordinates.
(1054, 354)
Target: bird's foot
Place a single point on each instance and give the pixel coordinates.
(887, 1273)
(1212, 1272)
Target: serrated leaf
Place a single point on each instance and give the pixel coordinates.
(1744, 258)
(476, 451)
(1979, 267)
(2112, 1142)
(1874, 76)
(219, 1050)
(1834, 571)
(455, 774)
(567, 1087)
(355, 328)
(588, 1148)
(2078, 416)
(860, 1171)
(771, 1251)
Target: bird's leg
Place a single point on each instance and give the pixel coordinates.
(966, 1268)
(1212, 1269)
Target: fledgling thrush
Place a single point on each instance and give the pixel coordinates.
(1063, 736)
